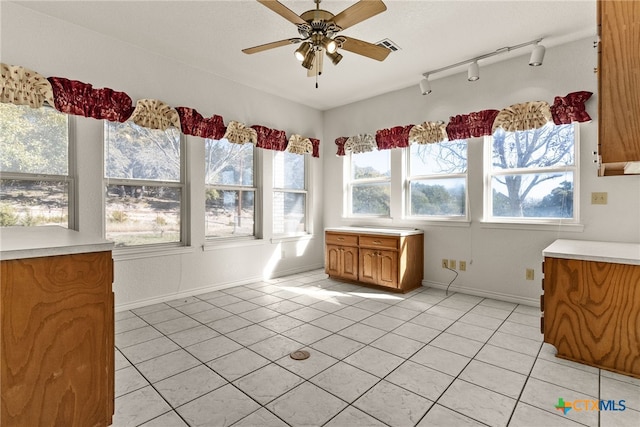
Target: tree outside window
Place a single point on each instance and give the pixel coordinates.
(531, 175)
(370, 184)
(36, 186)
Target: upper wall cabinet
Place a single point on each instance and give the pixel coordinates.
(619, 86)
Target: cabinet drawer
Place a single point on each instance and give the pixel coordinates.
(379, 242)
(341, 239)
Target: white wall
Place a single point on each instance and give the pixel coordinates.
(55, 48)
(496, 257)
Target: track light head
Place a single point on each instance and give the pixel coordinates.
(537, 55)
(425, 86)
(473, 73)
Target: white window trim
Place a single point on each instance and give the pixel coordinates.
(566, 224)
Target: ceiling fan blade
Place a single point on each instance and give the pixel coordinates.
(358, 12)
(271, 45)
(317, 64)
(363, 48)
(283, 11)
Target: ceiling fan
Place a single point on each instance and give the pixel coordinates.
(318, 31)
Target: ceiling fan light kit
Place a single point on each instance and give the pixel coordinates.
(318, 28)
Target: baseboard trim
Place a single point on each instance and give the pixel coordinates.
(534, 302)
(210, 288)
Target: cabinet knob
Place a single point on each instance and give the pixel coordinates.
(595, 70)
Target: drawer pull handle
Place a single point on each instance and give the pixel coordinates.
(341, 238)
(377, 242)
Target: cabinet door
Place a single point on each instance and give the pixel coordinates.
(388, 268)
(332, 261)
(349, 263)
(369, 266)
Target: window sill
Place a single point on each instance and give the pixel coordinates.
(569, 227)
(125, 254)
(421, 222)
(296, 238)
(231, 242)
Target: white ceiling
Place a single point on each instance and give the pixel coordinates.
(209, 35)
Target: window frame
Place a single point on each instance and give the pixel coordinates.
(184, 198)
(70, 178)
(409, 178)
(256, 188)
(488, 174)
(351, 182)
(305, 190)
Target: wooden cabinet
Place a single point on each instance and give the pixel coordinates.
(618, 85)
(392, 260)
(57, 343)
(591, 311)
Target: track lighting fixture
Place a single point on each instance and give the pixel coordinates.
(425, 86)
(335, 57)
(473, 72)
(302, 51)
(537, 55)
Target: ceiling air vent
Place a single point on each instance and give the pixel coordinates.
(389, 45)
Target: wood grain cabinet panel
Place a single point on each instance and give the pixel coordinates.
(592, 313)
(57, 344)
(393, 262)
(619, 81)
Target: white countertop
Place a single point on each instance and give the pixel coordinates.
(34, 242)
(377, 230)
(586, 250)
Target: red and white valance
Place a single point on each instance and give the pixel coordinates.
(395, 137)
(155, 114)
(362, 143)
(525, 116)
(238, 133)
(299, 144)
(472, 125)
(193, 123)
(22, 86)
(570, 108)
(428, 133)
(270, 139)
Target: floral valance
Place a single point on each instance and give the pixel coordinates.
(396, 137)
(362, 143)
(472, 125)
(193, 123)
(270, 139)
(570, 108)
(155, 114)
(528, 115)
(340, 143)
(428, 133)
(22, 86)
(238, 133)
(81, 99)
(298, 144)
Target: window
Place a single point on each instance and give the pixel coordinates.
(532, 175)
(369, 184)
(36, 185)
(289, 193)
(437, 180)
(230, 189)
(145, 190)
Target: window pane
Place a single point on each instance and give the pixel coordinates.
(288, 171)
(136, 152)
(547, 195)
(227, 163)
(30, 203)
(441, 158)
(140, 215)
(374, 164)
(288, 212)
(33, 140)
(548, 146)
(371, 199)
(438, 197)
(229, 213)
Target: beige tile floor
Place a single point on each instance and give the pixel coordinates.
(377, 358)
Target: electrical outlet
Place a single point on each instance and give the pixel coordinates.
(452, 264)
(599, 198)
(529, 274)
(463, 265)
(445, 263)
